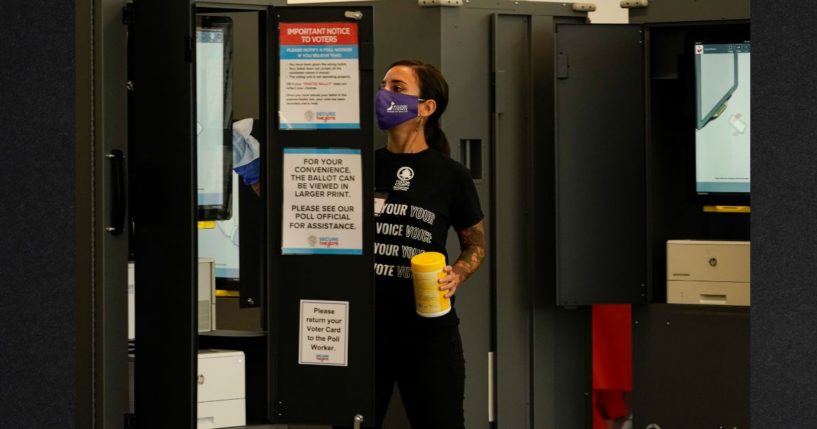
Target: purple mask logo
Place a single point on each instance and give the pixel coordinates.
(393, 108)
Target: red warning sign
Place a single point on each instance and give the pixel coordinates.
(318, 33)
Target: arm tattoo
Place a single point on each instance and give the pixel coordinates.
(472, 244)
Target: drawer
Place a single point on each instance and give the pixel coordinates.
(708, 293)
(726, 261)
(221, 414)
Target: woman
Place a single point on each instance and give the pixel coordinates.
(425, 193)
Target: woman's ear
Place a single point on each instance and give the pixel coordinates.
(427, 108)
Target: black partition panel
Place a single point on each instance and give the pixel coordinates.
(252, 233)
(600, 164)
(323, 266)
(164, 211)
(692, 366)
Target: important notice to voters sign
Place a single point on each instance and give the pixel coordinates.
(323, 202)
(319, 76)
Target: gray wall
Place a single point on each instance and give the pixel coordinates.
(784, 210)
(38, 307)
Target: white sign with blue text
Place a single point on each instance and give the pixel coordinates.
(322, 202)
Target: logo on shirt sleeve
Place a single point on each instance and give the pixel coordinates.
(404, 176)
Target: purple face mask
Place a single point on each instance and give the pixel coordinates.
(393, 108)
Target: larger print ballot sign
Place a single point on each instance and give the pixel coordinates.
(322, 205)
(319, 76)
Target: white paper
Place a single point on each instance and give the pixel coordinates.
(323, 202)
(324, 333)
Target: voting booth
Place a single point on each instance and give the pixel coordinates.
(312, 285)
(296, 247)
(653, 137)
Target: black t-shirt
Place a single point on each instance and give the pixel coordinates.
(426, 194)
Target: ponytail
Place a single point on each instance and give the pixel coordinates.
(432, 87)
(435, 137)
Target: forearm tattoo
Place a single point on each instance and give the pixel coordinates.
(472, 244)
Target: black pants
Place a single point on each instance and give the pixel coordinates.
(429, 369)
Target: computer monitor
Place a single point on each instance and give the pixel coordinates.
(722, 121)
(213, 117)
(220, 240)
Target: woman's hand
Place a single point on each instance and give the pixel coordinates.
(452, 280)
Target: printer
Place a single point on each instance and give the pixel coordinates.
(221, 391)
(708, 272)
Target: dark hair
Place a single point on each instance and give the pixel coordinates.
(432, 87)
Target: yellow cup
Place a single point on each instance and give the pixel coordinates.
(427, 268)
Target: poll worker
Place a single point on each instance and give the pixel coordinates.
(247, 154)
(423, 194)
(426, 193)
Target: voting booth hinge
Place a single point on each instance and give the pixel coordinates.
(562, 66)
(354, 14)
(634, 4)
(279, 408)
(583, 7)
(189, 48)
(442, 3)
(118, 210)
(129, 14)
(130, 421)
